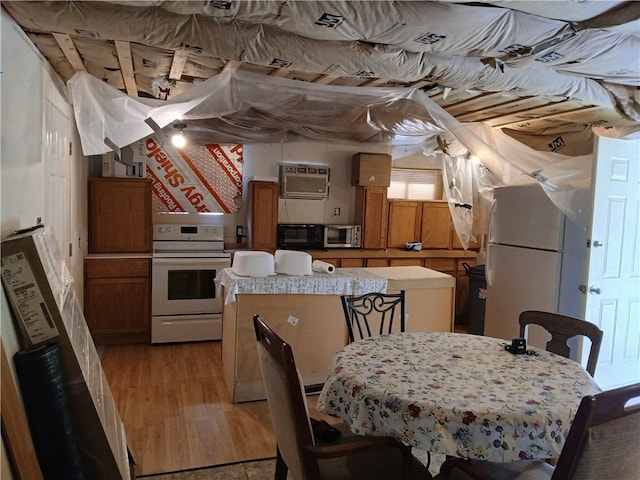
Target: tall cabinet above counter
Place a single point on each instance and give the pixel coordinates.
(117, 269)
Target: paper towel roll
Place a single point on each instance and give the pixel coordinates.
(322, 267)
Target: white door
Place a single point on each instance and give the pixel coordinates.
(613, 265)
(56, 155)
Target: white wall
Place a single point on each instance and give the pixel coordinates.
(25, 78)
(262, 161)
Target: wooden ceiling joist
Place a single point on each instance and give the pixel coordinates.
(496, 110)
(575, 111)
(232, 65)
(374, 82)
(419, 84)
(280, 73)
(527, 112)
(123, 49)
(177, 65)
(483, 99)
(325, 79)
(69, 49)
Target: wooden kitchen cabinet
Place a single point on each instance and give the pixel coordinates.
(377, 262)
(405, 223)
(371, 213)
(120, 215)
(436, 225)
(428, 222)
(352, 262)
(117, 303)
(262, 215)
(406, 262)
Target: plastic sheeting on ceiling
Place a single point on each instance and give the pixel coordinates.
(453, 44)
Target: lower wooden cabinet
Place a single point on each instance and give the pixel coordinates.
(352, 262)
(117, 301)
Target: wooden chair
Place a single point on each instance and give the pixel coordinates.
(365, 311)
(562, 328)
(602, 444)
(348, 457)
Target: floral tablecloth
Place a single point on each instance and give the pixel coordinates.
(343, 281)
(457, 394)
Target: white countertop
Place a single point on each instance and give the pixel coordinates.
(412, 277)
(344, 281)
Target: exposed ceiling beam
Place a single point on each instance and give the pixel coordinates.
(524, 111)
(418, 84)
(550, 116)
(374, 82)
(325, 79)
(465, 104)
(232, 65)
(123, 49)
(65, 42)
(177, 65)
(280, 73)
(497, 110)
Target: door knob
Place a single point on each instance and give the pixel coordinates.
(595, 290)
(583, 288)
(597, 243)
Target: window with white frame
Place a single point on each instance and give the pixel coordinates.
(415, 184)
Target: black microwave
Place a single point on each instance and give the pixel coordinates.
(295, 236)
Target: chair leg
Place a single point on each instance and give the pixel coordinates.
(281, 467)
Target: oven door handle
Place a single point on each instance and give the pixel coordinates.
(195, 262)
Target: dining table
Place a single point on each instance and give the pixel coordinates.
(457, 394)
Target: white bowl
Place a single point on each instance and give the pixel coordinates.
(292, 262)
(248, 263)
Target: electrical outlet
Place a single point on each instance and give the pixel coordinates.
(106, 166)
(336, 212)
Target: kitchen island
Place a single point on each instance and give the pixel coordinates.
(307, 313)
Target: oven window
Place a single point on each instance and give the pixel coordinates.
(191, 284)
(338, 236)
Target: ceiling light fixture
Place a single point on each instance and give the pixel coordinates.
(178, 139)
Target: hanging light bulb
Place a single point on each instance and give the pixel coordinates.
(178, 139)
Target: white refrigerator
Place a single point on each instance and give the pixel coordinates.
(535, 261)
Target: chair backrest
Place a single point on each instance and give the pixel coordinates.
(373, 314)
(562, 328)
(603, 439)
(287, 403)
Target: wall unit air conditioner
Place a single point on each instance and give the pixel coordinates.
(304, 181)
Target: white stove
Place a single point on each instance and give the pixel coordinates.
(185, 304)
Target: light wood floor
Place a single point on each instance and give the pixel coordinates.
(177, 412)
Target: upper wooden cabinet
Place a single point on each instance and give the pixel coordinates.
(436, 225)
(405, 223)
(428, 222)
(120, 215)
(371, 213)
(262, 215)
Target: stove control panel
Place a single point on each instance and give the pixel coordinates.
(181, 232)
